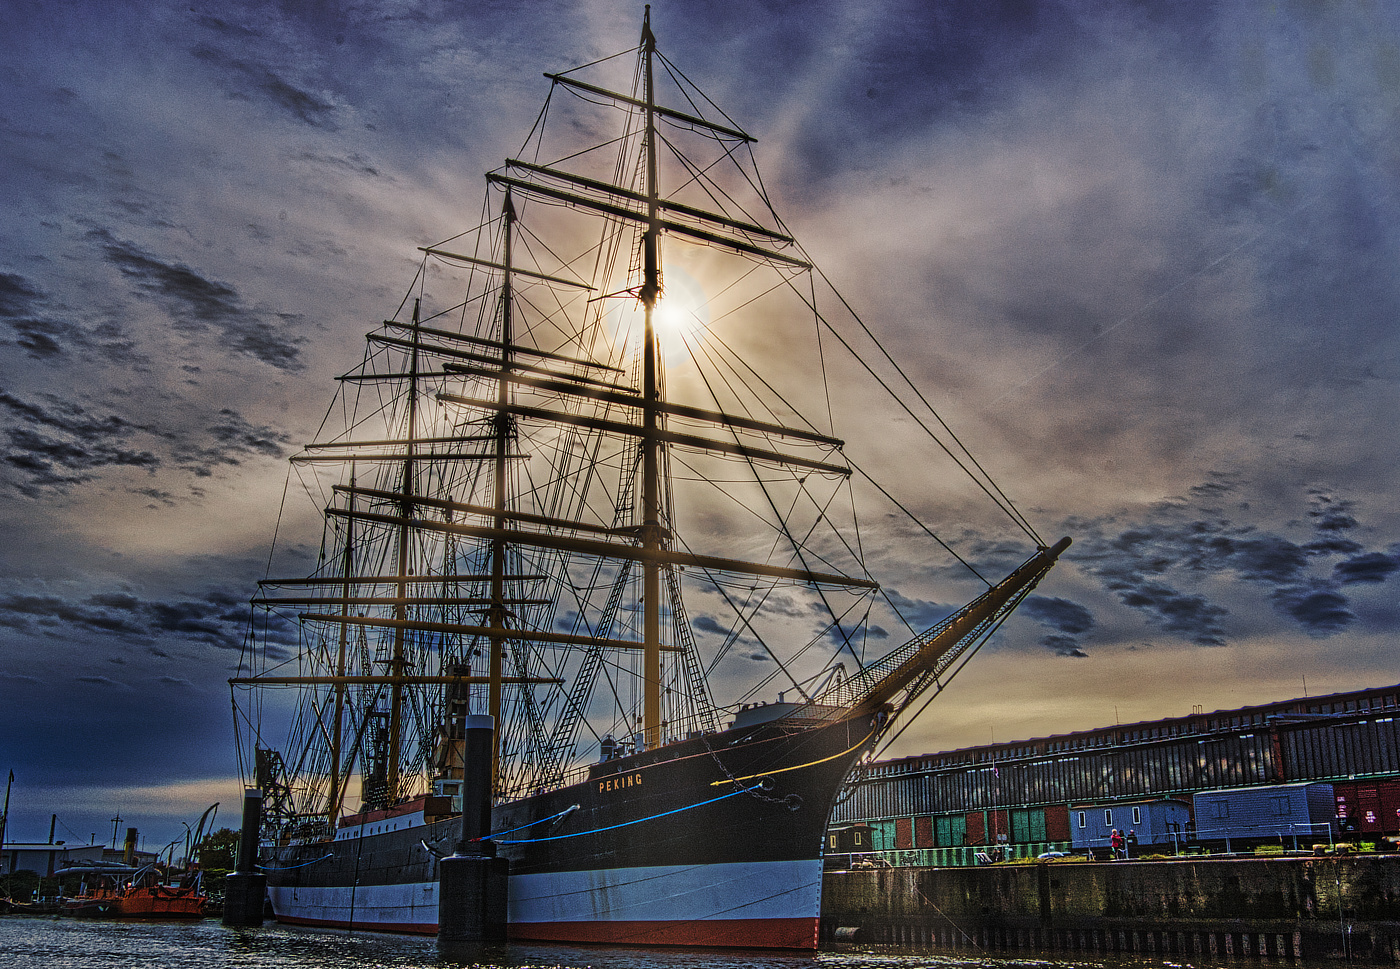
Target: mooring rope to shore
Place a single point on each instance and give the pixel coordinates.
(956, 927)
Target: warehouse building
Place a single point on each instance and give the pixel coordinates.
(1270, 764)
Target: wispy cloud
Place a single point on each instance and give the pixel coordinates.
(1181, 543)
(216, 620)
(196, 302)
(249, 80)
(54, 443)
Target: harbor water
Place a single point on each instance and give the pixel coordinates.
(64, 943)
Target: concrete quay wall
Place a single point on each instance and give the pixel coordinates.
(1342, 907)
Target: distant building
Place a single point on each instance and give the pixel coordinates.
(45, 858)
(1028, 796)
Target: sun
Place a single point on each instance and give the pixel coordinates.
(682, 314)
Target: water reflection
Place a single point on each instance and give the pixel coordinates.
(54, 943)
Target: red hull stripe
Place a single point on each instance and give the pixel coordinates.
(797, 933)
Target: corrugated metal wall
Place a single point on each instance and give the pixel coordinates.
(1326, 738)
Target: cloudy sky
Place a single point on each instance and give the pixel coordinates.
(1142, 256)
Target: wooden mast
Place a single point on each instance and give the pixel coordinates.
(334, 794)
(397, 663)
(503, 424)
(651, 459)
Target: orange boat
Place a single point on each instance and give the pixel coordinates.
(113, 895)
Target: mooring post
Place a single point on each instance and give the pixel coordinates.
(246, 886)
(473, 884)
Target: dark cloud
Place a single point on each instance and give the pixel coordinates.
(1318, 608)
(1130, 564)
(1063, 646)
(209, 621)
(59, 443)
(708, 624)
(1069, 620)
(918, 613)
(195, 302)
(232, 437)
(1330, 514)
(1220, 486)
(1189, 614)
(41, 336)
(1175, 541)
(17, 296)
(257, 82)
(56, 443)
(1371, 567)
(1269, 558)
(840, 635)
(1332, 545)
(156, 495)
(1062, 614)
(46, 339)
(354, 163)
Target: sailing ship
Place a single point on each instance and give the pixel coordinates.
(558, 492)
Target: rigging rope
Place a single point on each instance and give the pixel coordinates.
(624, 824)
(329, 854)
(784, 770)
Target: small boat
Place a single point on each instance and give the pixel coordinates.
(558, 492)
(123, 892)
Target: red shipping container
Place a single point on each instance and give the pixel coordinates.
(1345, 795)
(904, 832)
(976, 828)
(1367, 809)
(923, 832)
(1057, 822)
(1389, 794)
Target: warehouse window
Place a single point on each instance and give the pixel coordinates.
(1108, 816)
(1137, 815)
(1081, 819)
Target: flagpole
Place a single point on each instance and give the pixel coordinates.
(5, 815)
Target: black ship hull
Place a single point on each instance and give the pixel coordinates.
(713, 841)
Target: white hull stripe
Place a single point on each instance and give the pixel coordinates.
(745, 890)
(749, 890)
(414, 904)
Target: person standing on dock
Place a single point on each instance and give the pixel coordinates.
(1116, 844)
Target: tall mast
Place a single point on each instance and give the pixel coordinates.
(334, 794)
(397, 664)
(503, 425)
(651, 445)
